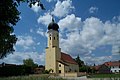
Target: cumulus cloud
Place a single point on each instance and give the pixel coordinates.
(116, 50)
(97, 60)
(62, 8)
(46, 19)
(50, 0)
(18, 57)
(35, 7)
(89, 35)
(25, 41)
(70, 22)
(40, 31)
(31, 30)
(83, 37)
(93, 9)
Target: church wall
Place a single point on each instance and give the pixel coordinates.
(72, 68)
(51, 59)
(61, 68)
(68, 69)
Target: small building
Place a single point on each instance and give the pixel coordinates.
(57, 61)
(101, 69)
(114, 66)
(104, 69)
(39, 70)
(108, 67)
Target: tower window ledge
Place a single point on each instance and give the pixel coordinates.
(54, 46)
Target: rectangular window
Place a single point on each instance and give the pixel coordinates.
(57, 37)
(59, 71)
(52, 71)
(50, 38)
(54, 38)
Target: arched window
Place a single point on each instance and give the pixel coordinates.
(50, 36)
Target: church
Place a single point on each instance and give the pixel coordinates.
(56, 61)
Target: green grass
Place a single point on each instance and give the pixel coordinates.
(31, 77)
(104, 76)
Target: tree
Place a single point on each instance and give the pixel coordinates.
(80, 62)
(9, 16)
(29, 62)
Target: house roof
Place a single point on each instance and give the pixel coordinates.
(97, 67)
(67, 58)
(63, 63)
(113, 63)
(5, 64)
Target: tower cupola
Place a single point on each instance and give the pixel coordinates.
(53, 26)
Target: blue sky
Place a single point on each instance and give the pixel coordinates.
(88, 28)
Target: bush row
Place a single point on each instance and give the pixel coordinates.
(14, 70)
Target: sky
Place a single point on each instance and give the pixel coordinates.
(88, 28)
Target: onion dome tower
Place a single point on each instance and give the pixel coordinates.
(53, 25)
(53, 52)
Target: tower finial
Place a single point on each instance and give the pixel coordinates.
(52, 19)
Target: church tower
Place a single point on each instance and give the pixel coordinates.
(53, 52)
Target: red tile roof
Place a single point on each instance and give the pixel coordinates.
(97, 67)
(113, 63)
(67, 58)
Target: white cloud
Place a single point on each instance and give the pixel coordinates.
(116, 50)
(62, 8)
(70, 22)
(18, 57)
(93, 9)
(31, 30)
(35, 7)
(25, 41)
(81, 41)
(40, 31)
(89, 35)
(97, 60)
(46, 19)
(20, 17)
(50, 0)
(116, 19)
(82, 37)
(38, 43)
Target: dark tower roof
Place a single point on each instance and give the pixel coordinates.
(53, 26)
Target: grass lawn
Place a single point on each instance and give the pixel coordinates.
(31, 77)
(104, 76)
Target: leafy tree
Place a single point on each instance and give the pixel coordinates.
(80, 62)
(29, 62)
(9, 16)
(85, 68)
